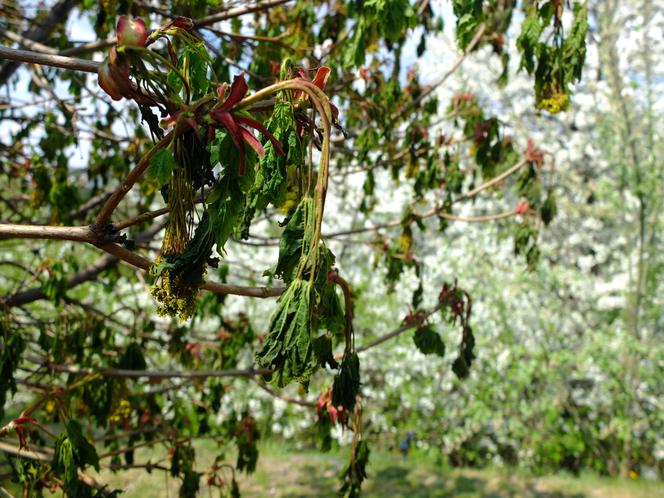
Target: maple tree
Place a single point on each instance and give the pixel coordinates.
(207, 125)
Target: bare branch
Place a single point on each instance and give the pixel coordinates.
(15, 54)
(149, 215)
(492, 181)
(287, 399)
(238, 11)
(126, 185)
(57, 13)
(399, 330)
(154, 374)
(469, 48)
(102, 264)
(438, 211)
(77, 234)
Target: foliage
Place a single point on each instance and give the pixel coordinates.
(285, 150)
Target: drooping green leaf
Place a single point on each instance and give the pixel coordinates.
(469, 16)
(84, 452)
(72, 452)
(527, 41)
(463, 362)
(161, 166)
(428, 341)
(197, 60)
(225, 208)
(346, 385)
(288, 346)
(574, 46)
(331, 311)
(295, 240)
(322, 346)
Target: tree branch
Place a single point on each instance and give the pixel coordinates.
(399, 330)
(287, 399)
(126, 185)
(478, 219)
(58, 13)
(48, 56)
(438, 211)
(145, 264)
(15, 54)
(47, 457)
(77, 234)
(102, 264)
(89, 235)
(237, 12)
(493, 181)
(154, 374)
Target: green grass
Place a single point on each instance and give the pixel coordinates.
(287, 473)
(284, 472)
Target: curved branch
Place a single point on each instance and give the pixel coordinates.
(126, 185)
(438, 211)
(102, 264)
(148, 215)
(115, 253)
(493, 181)
(479, 219)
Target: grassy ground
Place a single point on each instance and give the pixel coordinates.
(298, 474)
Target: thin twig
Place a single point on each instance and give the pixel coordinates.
(438, 211)
(287, 399)
(399, 330)
(237, 12)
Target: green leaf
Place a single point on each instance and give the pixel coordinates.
(161, 166)
(346, 385)
(469, 16)
(294, 241)
(72, 452)
(84, 452)
(63, 460)
(531, 29)
(322, 346)
(288, 346)
(331, 311)
(354, 55)
(197, 58)
(574, 46)
(226, 208)
(428, 341)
